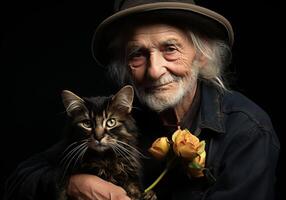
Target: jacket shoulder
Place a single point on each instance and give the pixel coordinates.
(236, 104)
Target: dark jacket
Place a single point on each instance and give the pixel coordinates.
(242, 152)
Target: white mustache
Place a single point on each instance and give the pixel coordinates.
(167, 78)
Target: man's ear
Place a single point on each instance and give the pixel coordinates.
(123, 99)
(202, 60)
(71, 101)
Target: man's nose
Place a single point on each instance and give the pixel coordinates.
(157, 66)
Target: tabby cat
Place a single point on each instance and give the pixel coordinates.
(102, 138)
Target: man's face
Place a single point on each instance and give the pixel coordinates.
(162, 63)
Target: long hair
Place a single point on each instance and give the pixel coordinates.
(218, 56)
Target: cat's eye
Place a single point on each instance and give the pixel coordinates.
(110, 122)
(86, 124)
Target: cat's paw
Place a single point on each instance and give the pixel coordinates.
(150, 195)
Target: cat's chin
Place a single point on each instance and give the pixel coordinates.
(98, 148)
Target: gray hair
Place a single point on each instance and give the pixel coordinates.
(217, 53)
(218, 56)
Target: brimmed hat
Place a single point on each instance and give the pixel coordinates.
(185, 11)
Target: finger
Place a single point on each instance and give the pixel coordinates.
(118, 197)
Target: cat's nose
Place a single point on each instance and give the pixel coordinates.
(96, 141)
(97, 138)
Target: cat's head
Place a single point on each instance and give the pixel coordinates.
(101, 123)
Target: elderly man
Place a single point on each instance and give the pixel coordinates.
(174, 54)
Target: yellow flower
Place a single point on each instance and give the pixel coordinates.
(160, 148)
(189, 147)
(185, 144)
(195, 167)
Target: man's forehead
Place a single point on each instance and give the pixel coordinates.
(156, 36)
(159, 41)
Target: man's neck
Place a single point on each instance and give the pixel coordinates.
(174, 116)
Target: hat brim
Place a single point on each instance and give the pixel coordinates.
(209, 20)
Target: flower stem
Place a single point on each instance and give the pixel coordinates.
(170, 163)
(157, 180)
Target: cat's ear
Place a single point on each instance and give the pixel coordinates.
(123, 99)
(71, 101)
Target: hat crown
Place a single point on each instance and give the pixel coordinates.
(125, 4)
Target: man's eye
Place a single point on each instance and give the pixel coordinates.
(137, 59)
(110, 122)
(171, 52)
(170, 49)
(136, 55)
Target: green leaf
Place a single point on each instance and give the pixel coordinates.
(194, 165)
(201, 147)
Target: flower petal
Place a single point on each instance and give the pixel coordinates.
(160, 148)
(186, 151)
(197, 165)
(185, 144)
(201, 147)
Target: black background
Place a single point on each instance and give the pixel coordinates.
(45, 48)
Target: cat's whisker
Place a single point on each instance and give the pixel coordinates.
(83, 152)
(119, 153)
(71, 152)
(70, 158)
(127, 156)
(77, 152)
(72, 144)
(67, 159)
(80, 154)
(133, 148)
(131, 154)
(115, 149)
(124, 153)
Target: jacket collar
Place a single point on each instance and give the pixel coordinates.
(210, 114)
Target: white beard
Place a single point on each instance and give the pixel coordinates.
(158, 102)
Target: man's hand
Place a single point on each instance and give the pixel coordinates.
(90, 187)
